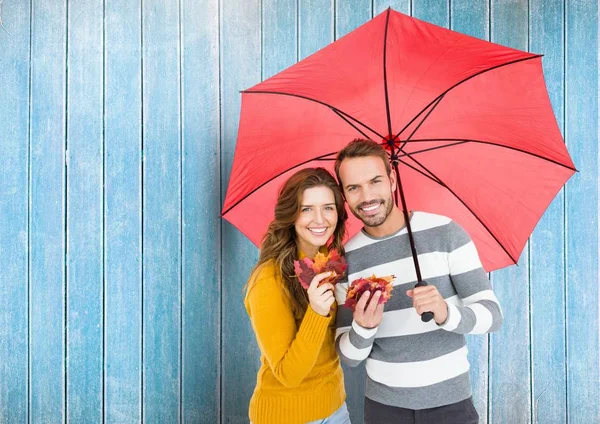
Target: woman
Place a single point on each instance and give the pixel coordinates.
(300, 379)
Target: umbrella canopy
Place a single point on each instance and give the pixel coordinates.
(468, 124)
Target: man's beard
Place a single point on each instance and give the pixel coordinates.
(380, 217)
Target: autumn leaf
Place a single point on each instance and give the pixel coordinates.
(370, 284)
(305, 269)
(336, 263)
(320, 261)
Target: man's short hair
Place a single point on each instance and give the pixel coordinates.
(360, 148)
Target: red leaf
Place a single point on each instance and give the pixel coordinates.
(371, 284)
(306, 269)
(337, 264)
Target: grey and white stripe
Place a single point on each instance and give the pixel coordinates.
(412, 364)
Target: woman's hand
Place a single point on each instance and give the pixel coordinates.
(321, 298)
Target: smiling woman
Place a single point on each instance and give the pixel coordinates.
(317, 219)
(300, 379)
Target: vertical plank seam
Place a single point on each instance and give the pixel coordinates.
(29, 203)
(334, 18)
(142, 159)
(449, 14)
(220, 265)
(262, 40)
(103, 211)
(564, 214)
(565, 220)
(529, 303)
(181, 215)
(66, 211)
(489, 337)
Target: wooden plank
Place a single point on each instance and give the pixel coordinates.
(581, 129)
(433, 11)
(240, 49)
(510, 384)
(472, 18)
(350, 14)
(279, 49)
(315, 26)
(403, 6)
(14, 210)
(47, 213)
(123, 213)
(548, 344)
(201, 276)
(161, 212)
(85, 212)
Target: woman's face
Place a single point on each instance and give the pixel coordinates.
(317, 219)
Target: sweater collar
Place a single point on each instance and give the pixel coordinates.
(322, 249)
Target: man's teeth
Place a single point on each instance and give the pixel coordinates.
(370, 208)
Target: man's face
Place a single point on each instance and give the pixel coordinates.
(368, 189)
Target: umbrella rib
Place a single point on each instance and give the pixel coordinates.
(432, 148)
(423, 120)
(466, 206)
(316, 101)
(490, 143)
(420, 172)
(349, 123)
(322, 157)
(385, 84)
(463, 81)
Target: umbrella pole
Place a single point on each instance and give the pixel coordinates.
(426, 316)
(407, 219)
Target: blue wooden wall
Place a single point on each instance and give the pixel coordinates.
(120, 286)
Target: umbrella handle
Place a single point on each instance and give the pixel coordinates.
(425, 316)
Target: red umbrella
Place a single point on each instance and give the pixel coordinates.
(468, 125)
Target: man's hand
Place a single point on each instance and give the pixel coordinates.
(369, 315)
(428, 299)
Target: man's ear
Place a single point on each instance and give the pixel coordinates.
(393, 179)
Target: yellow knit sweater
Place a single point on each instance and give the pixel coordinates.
(300, 378)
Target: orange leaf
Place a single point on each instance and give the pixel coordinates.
(319, 262)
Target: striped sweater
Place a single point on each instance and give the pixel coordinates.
(409, 363)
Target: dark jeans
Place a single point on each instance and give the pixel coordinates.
(462, 412)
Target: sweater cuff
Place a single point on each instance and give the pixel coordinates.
(314, 326)
(365, 333)
(453, 318)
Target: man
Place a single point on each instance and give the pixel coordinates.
(416, 371)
